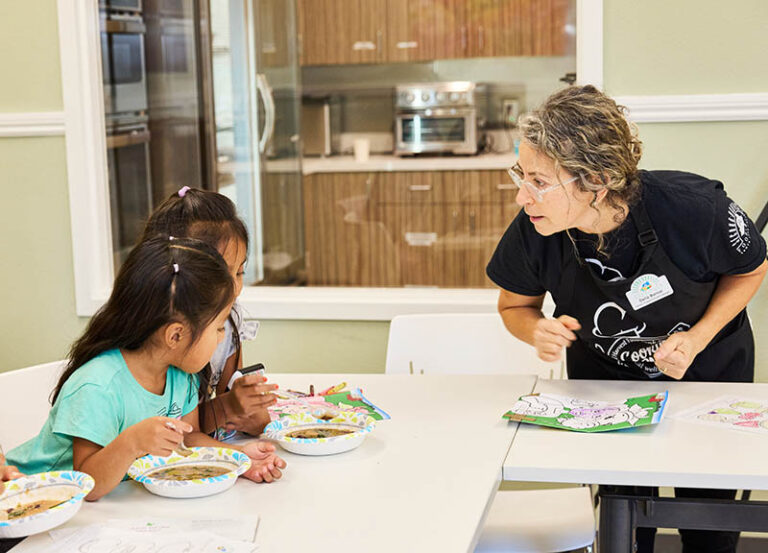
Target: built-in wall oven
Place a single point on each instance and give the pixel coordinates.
(130, 190)
(125, 89)
(131, 6)
(435, 118)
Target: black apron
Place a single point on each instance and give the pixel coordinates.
(617, 341)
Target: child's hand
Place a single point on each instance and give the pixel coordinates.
(156, 435)
(7, 472)
(249, 394)
(252, 423)
(265, 464)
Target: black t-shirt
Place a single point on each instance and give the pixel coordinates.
(702, 230)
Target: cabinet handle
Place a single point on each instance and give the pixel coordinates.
(406, 44)
(363, 45)
(420, 187)
(463, 38)
(379, 35)
(480, 38)
(472, 222)
(420, 238)
(506, 186)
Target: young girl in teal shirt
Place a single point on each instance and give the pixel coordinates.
(130, 387)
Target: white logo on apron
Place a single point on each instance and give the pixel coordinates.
(628, 347)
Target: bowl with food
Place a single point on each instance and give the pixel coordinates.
(306, 434)
(206, 471)
(38, 502)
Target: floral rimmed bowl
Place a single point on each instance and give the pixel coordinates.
(64, 491)
(305, 434)
(207, 471)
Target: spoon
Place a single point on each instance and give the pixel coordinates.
(182, 450)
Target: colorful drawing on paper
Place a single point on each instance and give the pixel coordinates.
(584, 415)
(291, 402)
(735, 413)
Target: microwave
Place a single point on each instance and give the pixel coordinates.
(435, 118)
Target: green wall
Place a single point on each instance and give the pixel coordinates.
(651, 47)
(30, 76)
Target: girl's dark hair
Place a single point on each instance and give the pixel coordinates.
(163, 280)
(212, 218)
(201, 214)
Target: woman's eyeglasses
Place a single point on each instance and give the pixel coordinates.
(537, 188)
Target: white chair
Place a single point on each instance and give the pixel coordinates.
(467, 343)
(529, 521)
(24, 401)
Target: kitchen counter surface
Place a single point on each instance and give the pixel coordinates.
(347, 164)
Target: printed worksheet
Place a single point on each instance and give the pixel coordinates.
(735, 413)
(105, 539)
(584, 415)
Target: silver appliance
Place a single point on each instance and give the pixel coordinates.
(134, 6)
(125, 88)
(130, 185)
(435, 118)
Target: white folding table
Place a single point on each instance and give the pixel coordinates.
(673, 453)
(421, 481)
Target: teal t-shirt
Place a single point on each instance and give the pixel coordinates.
(98, 402)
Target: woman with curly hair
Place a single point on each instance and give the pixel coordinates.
(650, 271)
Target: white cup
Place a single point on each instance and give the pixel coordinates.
(362, 149)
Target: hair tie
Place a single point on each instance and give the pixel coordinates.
(183, 191)
(175, 268)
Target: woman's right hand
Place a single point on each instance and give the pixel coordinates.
(550, 336)
(157, 436)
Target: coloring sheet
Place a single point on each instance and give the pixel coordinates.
(585, 415)
(105, 539)
(290, 402)
(735, 413)
(238, 529)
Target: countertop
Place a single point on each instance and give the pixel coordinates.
(347, 163)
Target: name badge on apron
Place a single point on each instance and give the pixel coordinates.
(647, 289)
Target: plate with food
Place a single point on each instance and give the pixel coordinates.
(36, 503)
(306, 434)
(206, 471)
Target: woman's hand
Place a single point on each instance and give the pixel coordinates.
(550, 336)
(676, 354)
(157, 435)
(249, 394)
(265, 464)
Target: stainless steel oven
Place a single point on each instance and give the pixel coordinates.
(130, 186)
(125, 86)
(134, 6)
(435, 118)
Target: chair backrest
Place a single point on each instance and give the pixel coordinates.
(24, 405)
(463, 343)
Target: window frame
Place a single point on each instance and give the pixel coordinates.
(84, 124)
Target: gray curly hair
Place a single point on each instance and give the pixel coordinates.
(586, 133)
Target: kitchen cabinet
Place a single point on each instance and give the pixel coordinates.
(436, 228)
(341, 31)
(283, 237)
(390, 31)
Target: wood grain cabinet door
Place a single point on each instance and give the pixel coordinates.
(356, 31)
(411, 29)
(346, 243)
(313, 31)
